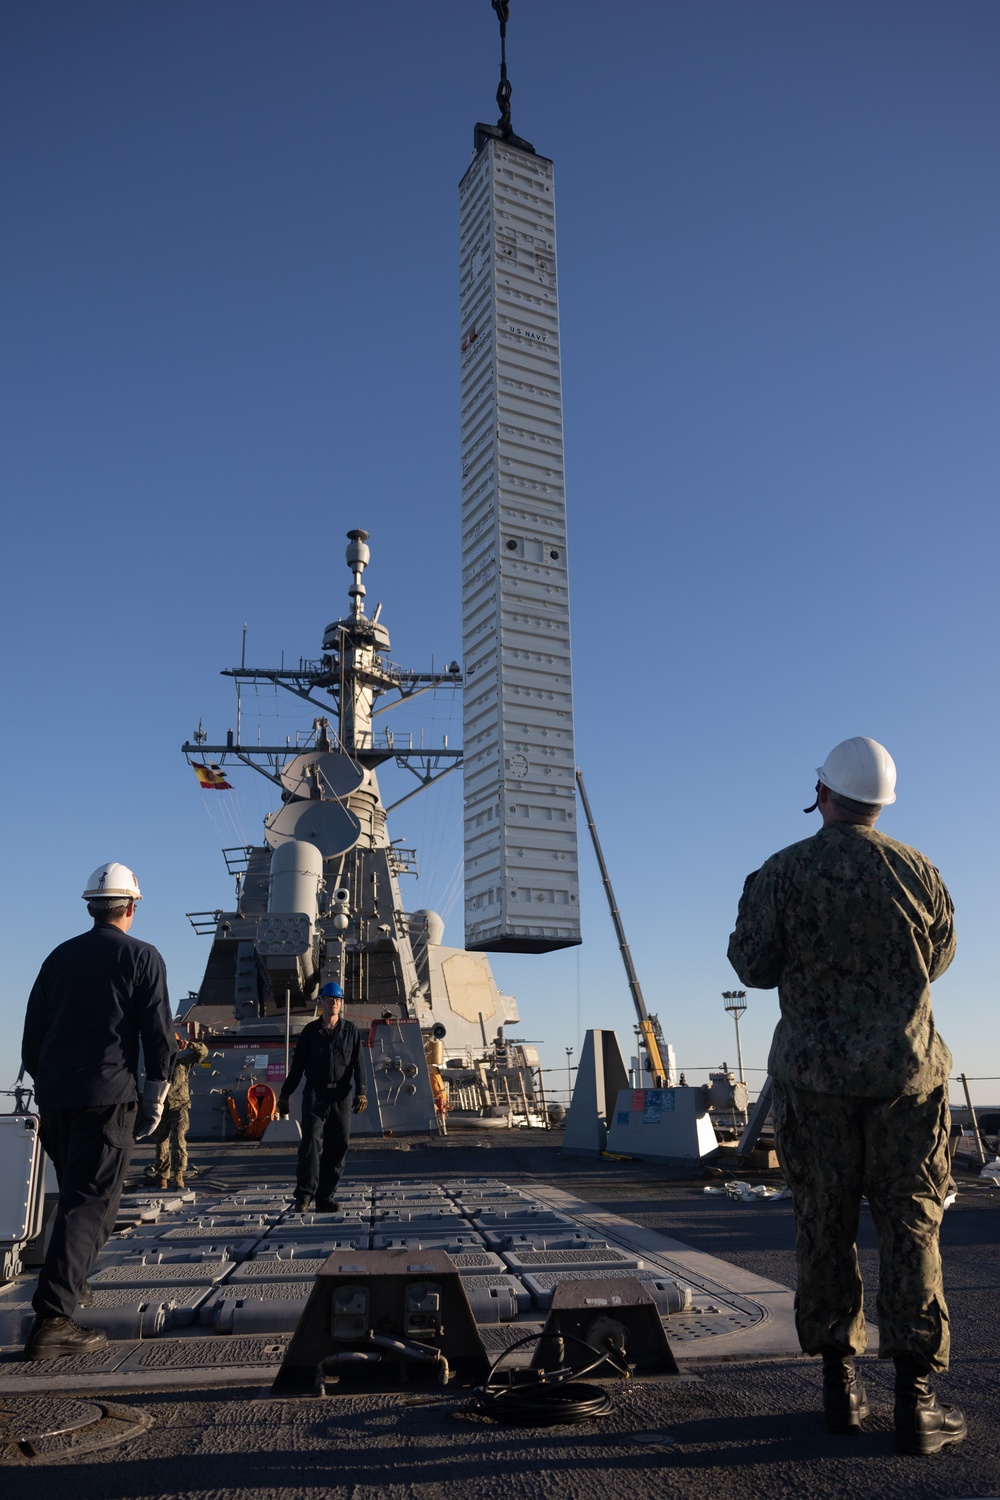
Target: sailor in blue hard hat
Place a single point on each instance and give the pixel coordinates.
(328, 1056)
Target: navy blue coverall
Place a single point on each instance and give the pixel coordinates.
(330, 1060)
(95, 999)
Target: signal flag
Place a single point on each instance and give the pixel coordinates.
(210, 778)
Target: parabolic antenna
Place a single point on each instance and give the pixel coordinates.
(325, 773)
(328, 825)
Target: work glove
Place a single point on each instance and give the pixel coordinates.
(154, 1096)
(283, 1109)
(360, 1104)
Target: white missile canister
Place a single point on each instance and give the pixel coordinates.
(296, 876)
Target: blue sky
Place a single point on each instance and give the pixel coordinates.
(230, 333)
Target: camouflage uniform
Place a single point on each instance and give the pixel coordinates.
(852, 927)
(170, 1136)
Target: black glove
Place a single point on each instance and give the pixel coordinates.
(283, 1109)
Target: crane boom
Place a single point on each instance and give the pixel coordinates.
(647, 1027)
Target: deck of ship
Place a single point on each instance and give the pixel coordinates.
(740, 1419)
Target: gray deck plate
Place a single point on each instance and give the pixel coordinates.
(163, 1202)
(684, 1327)
(354, 1203)
(275, 1205)
(408, 1195)
(416, 1211)
(473, 1202)
(255, 1272)
(257, 1291)
(214, 1249)
(407, 1185)
(541, 1239)
(318, 1233)
(75, 1366)
(478, 1185)
(217, 1233)
(173, 1273)
(570, 1260)
(313, 1224)
(520, 1219)
(468, 1189)
(453, 1243)
(235, 1234)
(169, 1255)
(734, 1313)
(127, 1296)
(450, 1217)
(472, 1261)
(317, 1249)
(166, 1354)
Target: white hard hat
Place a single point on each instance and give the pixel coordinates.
(112, 882)
(861, 769)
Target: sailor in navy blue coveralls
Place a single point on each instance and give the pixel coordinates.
(328, 1056)
(95, 999)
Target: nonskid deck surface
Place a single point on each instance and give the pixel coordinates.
(204, 1287)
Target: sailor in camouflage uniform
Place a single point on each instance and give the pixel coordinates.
(852, 927)
(171, 1133)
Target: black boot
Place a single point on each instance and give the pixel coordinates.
(923, 1425)
(51, 1338)
(845, 1404)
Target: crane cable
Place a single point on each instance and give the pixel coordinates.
(502, 8)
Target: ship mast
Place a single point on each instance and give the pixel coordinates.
(345, 683)
(356, 643)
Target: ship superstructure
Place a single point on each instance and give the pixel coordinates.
(319, 899)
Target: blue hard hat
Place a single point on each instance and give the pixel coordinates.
(331, 992)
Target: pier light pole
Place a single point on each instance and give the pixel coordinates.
(735, 1002)
(569, 1072)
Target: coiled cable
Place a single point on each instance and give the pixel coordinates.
(548, 1396)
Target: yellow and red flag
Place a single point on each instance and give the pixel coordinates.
(210, 778)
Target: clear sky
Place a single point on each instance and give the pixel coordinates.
(230, 332)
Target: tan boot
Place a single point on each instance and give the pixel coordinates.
(163, 1183)
(179, 1180)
